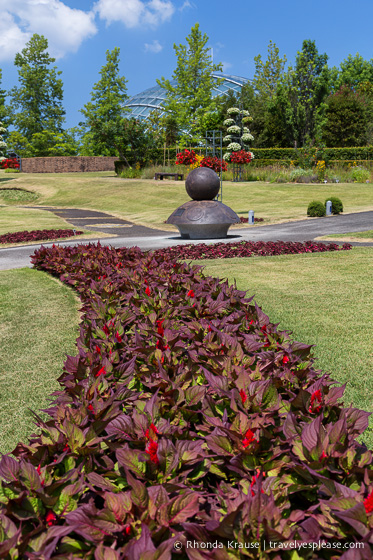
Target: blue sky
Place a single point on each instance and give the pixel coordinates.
(80, 31)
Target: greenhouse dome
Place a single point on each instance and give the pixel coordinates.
(144, 103)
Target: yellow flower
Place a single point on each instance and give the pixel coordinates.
(197, 163)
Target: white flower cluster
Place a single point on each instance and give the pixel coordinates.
(234, 129)
(227, 156)
(234, 146)
(227, 138)
(247, 137)
(2, 144)
(245, 113)
(228, 122)
(233, 111)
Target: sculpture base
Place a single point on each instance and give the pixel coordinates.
(203, 219)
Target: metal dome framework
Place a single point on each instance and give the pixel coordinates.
(152, 99)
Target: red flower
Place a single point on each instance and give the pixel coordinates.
(249, 438)
(50, 518)
(285, 359)
(105, 329)
(243, 396)
(118, 337)
(161, 346)
(98, 349)
(190, 293)
(153, 428)
(316, 397)
(90, 408)
(151, 450)
(67, 447)
(38, 470)
(323, 456)
(147, 291)
(160, 329)
(368, 503)
(102, 371)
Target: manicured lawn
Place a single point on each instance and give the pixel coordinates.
(353, 236)
(38, 327)
(324, 299)
(14, 219)
(150, 202)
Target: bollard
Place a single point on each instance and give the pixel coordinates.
(328, 207)
(74, 231)
(251, 217)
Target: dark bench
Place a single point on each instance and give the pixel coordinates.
(175, 176)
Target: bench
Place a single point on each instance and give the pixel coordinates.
(175, 176)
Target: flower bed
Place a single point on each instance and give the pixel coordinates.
(185, 415)
(38, 235)
(248, 249)
(246, 220)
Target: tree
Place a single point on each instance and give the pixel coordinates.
(346, 119)
(43, 144)
(353, 71)
(37, 102)
(309, 88)
(4, 109)
(104, 114)
(190, 96)
(269, 73)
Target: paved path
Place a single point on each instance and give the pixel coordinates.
(130, 235)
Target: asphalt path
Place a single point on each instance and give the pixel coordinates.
(131, 235)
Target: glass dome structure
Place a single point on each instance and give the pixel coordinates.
(144, 103)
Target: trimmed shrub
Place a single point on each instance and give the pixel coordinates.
(316, 209)
(337, 206)
(185, 415)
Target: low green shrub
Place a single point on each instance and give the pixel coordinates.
(337, 206)
(316, 209)
(10, 170)
(299, 173)
(360, 174)
(130, 173)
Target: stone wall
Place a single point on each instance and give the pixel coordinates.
(67, 164)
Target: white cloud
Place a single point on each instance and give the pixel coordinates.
(226, 66)
(134, 13)
(154, 47)
(186, 5)
(64, 27)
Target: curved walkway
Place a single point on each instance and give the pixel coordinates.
(127, 234)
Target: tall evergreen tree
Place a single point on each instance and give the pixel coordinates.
(103, 131)
(190, 97)
(37, 102)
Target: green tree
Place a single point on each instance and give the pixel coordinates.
(4, 109)
(309, 88)
(37, 102)
(346, 119)
(104, 113)
(269, 73)
(353, 71)
(44, 144)
(189, 97)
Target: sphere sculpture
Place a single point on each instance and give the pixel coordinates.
(203, 217)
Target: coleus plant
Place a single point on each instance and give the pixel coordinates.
(185, 416)
(38, 235)
(248, 249)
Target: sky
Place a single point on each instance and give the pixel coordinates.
(79, 33)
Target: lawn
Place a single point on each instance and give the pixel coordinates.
(324, 298)
(38, 327)
(358, 236)
(150, 202)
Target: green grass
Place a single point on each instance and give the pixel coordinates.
(8, 195)
(18, 219)
(150, 202)
(358, 235)
(324, 299)
(38, 327)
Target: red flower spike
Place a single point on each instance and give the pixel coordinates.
(243, 396)
(323, 456)
(315, 397)
(147, 291)
(190, 293)
(118, 337)
(90, 408)
(160, 329)
(285, 359)
(151, 450)
(102, 371)
(98, 350)
(249, 439)
(368, 503)
(50, 518)
(38, 470)
(105, 329)
(67, 448)
(153, 428)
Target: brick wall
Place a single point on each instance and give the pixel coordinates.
(67, 164)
